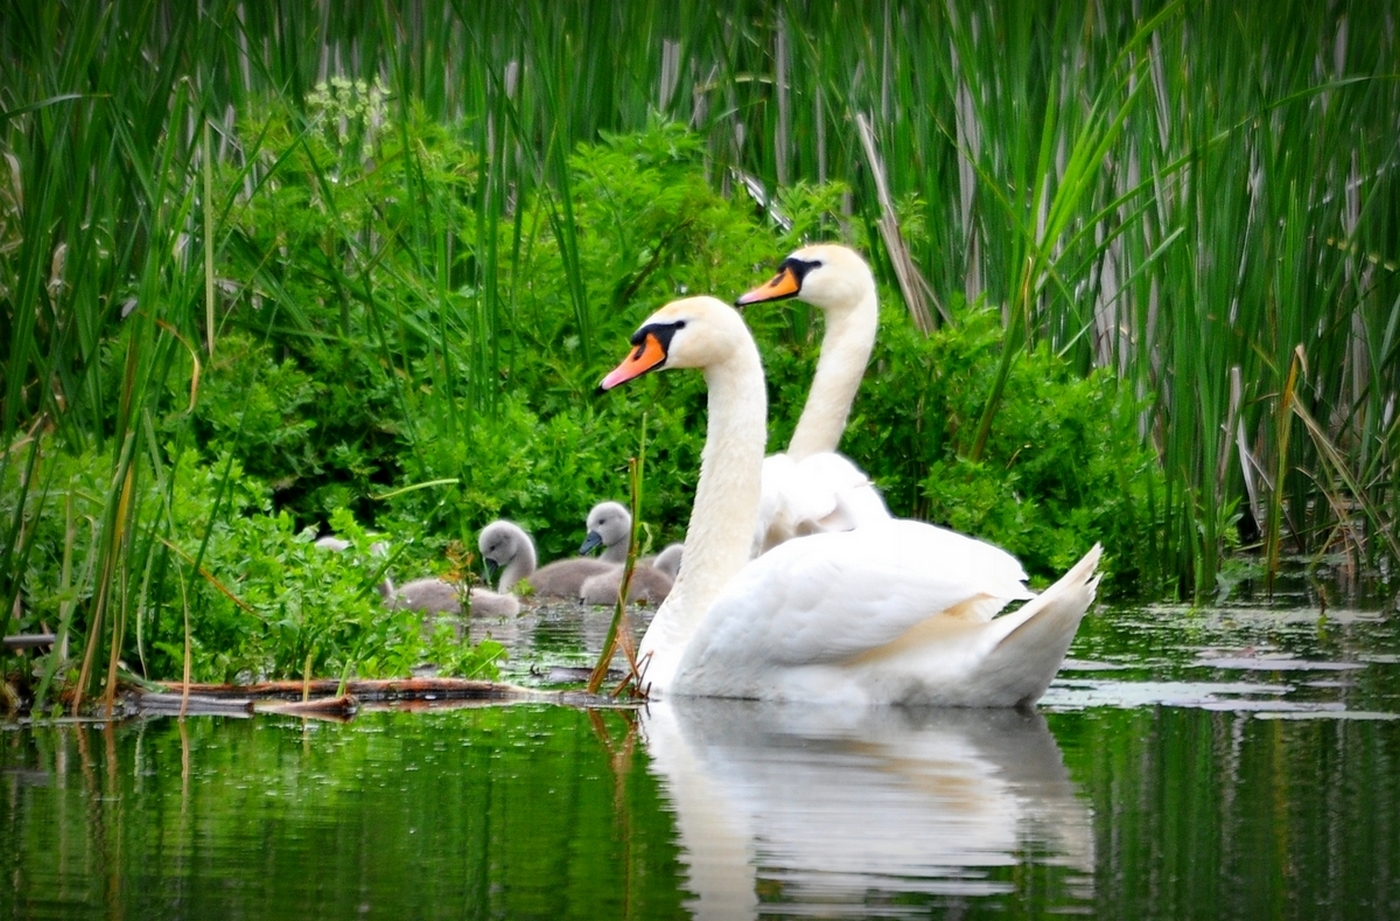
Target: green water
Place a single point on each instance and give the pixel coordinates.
(1229, 764)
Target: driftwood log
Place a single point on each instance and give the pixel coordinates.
(326, 697)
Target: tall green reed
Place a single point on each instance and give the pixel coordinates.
(102, 261)
(1154, 192)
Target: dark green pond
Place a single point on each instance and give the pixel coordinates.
(1235, 763)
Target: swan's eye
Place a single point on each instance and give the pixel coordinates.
(798, 268)
(680, 324)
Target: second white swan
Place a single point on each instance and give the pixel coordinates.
(811, 488)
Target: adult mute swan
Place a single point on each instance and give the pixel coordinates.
(892, 612)
(811, 488)
(837, 281)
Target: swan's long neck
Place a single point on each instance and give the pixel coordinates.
(616, 552)
(722, 521)
(850, 335)
(521, 566)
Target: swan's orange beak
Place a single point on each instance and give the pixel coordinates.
(784, 284)
(647, 355)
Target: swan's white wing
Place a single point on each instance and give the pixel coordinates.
(830, 597)
(786, 498)
(821, 493)
(854, 499)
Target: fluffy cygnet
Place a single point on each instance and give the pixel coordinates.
(669, 560)
(609, 526)
(648, 584)
(432, 595)
(506, 546)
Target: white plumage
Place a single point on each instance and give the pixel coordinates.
(811, 488)
(892, 612)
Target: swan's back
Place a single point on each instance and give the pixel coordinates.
(896, 613)
(648, 584)
(669, 560)
(438, 596)
(821, 493)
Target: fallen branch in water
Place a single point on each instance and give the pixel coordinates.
(193, 705)
(384, 690)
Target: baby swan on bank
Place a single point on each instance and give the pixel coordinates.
(434, 595)
(430, 595)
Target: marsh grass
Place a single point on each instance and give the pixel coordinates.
(1202, 197)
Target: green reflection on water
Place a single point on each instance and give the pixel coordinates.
(519, 812)
(1217, 814)
(1215, 764)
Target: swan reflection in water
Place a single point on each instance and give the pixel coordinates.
(833, 806)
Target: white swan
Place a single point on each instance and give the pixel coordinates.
(837, 281)
(811, 488)
(893, 612)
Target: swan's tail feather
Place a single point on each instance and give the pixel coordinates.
(1026, 659)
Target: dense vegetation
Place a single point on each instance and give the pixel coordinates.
(268, 275)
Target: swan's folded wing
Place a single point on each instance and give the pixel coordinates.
(787, 498)
(831, 597)
(822, 492)
(853, 499)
